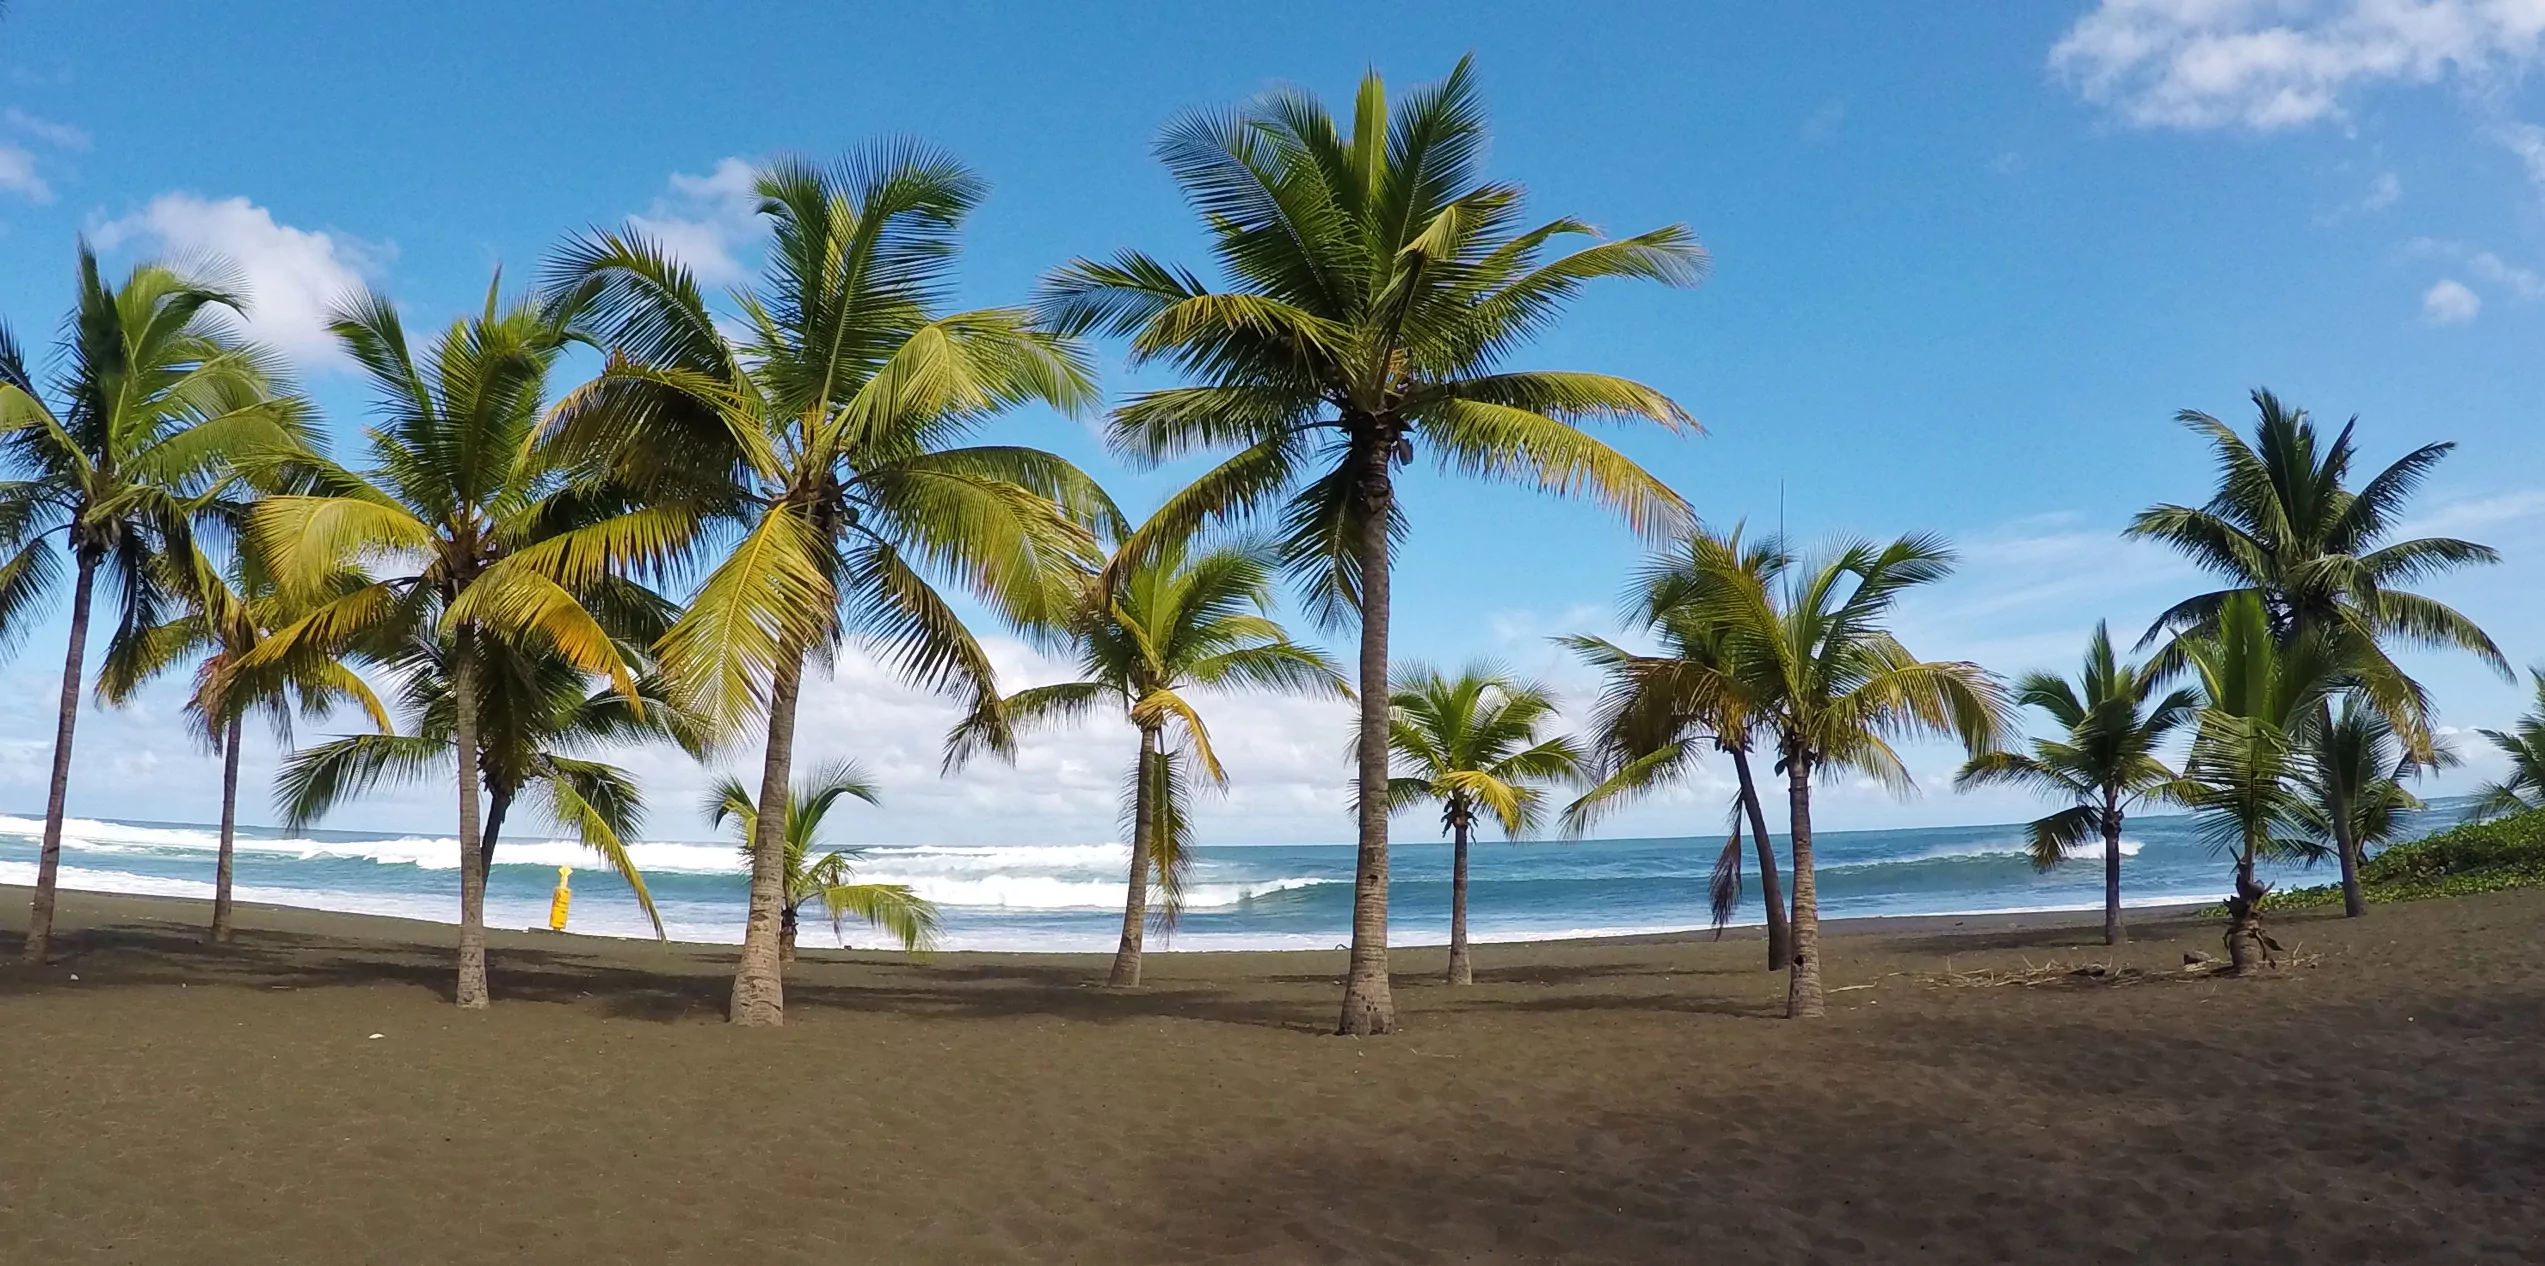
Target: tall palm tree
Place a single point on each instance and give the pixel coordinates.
(228, 614)
(2284, 527)
(155, 398)
(2260, 700)
(892, 909)
(538, 717)
(458, 491)
(2359, 767)
(1659, 712)
(2105, 761)
(1471, 743)
(817, 454)
(2524, 787)
(1149, 630)
(1834, 685)
(1377, 284)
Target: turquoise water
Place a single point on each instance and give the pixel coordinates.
(1068, 896)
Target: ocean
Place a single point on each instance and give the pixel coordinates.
(1068, 897)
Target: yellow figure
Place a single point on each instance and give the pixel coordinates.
(558, 903)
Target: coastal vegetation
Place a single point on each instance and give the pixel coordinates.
(745, 488)
(2486, 856)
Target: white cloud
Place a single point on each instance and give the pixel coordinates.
(18, 175)
(706, 219)
(57, 135)
(2383, 192)
(291, 276)
(2270, 64)
(2450, 302)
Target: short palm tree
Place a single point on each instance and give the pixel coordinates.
(809, 455)
(830, 878)
(1660, 712)
(2359, 767)
(228, 614)
(1377, 284)
(155, 401)
(1472, 744)
(1823, 674)
(459, 489)
(2105, 760)
(1151, 630)
(538, 718)
(2523, 788)
(2284, 527)
(2260, 700)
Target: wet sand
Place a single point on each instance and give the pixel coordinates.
(1624, 1101)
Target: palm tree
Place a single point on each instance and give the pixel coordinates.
(1835, 686)
(1377, 284)
(1149, 630)
(536, 714)
(2359, 767)
(155, 397)
(2284, 527)
(2524, 788)
(1660, 712)
(227, 616)
(458, 493)
(2261, 699)
(1471, 743)
(830, 878)
(821, 447)
(2105, 762)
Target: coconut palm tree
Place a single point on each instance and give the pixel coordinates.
(892, 909)
(1834, 686)
(2284, 527)
(812, 461)
(2359, 767)
(538, 717)
(2260, 700)
(2524, 787)
(1660, 712)
(2105, 760)
(1471, 743)
(1151, 630)
(1376, 286)
(458, 491)
(155, 400)
(228, 614)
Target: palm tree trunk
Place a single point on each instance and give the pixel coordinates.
(786, 933)
(471, 992)
(1803, 998)
(2346, 842)
(221, 867)
(2113, 932)
(498, 801)
(759, 982)
(1461, 972)
(48, 866)
(1369, 1008)
(2245, 941)
(1780, 936)
(1144, 834)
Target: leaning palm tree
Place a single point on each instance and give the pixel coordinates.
(1660, 712)
(1377, 284)
(2105, 761)
(810, 453)
(1150, 630)
(228, 614)
(1471, 743)
(2284, 527)
(830, 879)
(539, 721)
(155, 399)
(458, 491)
(2260, 701)
(2359, 767)
(1835, 686)
(2523, 788)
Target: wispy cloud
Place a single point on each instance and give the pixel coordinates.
(2450, 302)
(58, 135)
(706, 219)
(18, 175)
(291, 275)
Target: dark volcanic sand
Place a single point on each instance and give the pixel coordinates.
(1613, 1102)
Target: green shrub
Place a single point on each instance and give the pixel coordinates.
(2477, 857)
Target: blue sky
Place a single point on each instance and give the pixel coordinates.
(1968, 262)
